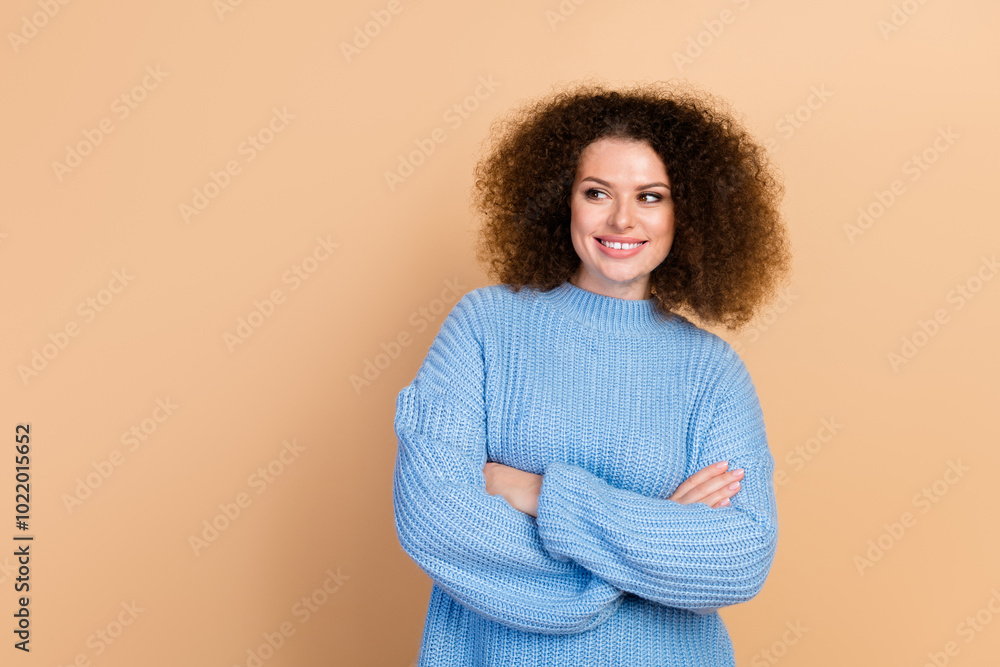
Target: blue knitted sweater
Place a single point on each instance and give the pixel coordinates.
(615, 405)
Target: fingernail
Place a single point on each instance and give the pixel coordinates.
(724, 502)
(734, 485)
(738, 472)
(722, 465)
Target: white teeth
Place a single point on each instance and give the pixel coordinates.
(620, 246)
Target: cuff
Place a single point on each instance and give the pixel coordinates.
(559, 521)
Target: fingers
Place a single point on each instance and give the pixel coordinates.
(717, 491)
(720, 498)
(703, 475)
(711, 485)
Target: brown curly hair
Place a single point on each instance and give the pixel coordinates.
(730, 251)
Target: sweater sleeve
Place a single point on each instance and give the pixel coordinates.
(485, 554)
(689, 556)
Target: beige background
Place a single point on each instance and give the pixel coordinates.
(883, 80)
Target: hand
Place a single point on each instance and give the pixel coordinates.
(519, 488)
(710, 485)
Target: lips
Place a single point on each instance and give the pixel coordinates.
(619, 253)
(605, 240)
(612, 238)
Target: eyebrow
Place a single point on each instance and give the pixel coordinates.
(641, 187)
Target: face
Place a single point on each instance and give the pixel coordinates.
(621, 193)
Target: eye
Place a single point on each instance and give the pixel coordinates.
(651, 194)
(590, 191)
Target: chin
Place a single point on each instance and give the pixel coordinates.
(624, 278)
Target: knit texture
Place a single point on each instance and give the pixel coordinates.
(615, 405)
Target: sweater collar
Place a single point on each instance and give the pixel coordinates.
(605, 313)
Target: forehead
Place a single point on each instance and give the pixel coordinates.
(624, 158)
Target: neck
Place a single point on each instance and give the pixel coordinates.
(637, 290)
(606, 313)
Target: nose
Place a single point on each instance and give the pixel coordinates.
(621, 215)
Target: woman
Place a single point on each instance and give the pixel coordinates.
(582, 471)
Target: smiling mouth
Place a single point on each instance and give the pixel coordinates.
(615, 245)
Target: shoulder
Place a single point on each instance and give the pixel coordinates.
(475, 305)
(494, 302)
(702, 341)
(477, 311)
(711, 359)
(499, 295)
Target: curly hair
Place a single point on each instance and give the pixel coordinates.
(730, 251)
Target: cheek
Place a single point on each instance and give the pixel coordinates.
(574, 231)
(667, 226)
(578, 224)
(670, 229)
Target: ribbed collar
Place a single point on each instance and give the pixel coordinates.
(604, 313)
